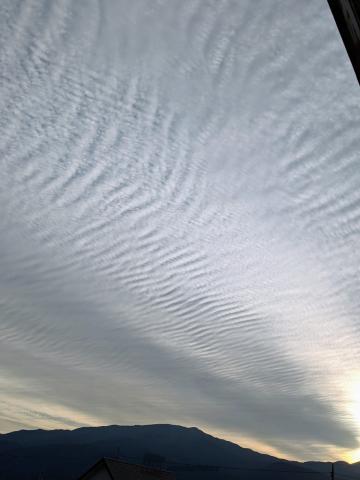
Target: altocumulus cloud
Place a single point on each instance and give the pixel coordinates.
(180, 217)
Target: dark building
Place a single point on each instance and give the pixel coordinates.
(347, 17)
(111, 469)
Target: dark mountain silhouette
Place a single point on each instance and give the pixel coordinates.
(343, 470)
(189, 452)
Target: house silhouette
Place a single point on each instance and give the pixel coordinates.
(112, 469)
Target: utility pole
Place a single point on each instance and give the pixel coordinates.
(332, 472)
(347, 17)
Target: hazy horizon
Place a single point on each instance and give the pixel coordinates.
(180, 220)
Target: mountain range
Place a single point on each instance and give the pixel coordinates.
(189, 452)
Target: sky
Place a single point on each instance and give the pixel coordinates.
(180, 220)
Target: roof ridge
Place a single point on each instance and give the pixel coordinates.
(140, 465)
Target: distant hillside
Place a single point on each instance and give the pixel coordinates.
(191, 453)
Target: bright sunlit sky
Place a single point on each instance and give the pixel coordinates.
(180, 220)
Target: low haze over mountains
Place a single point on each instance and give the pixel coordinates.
(189, 452)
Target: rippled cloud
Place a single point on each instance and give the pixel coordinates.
(180, 218)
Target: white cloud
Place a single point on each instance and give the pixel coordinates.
(180, 218)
